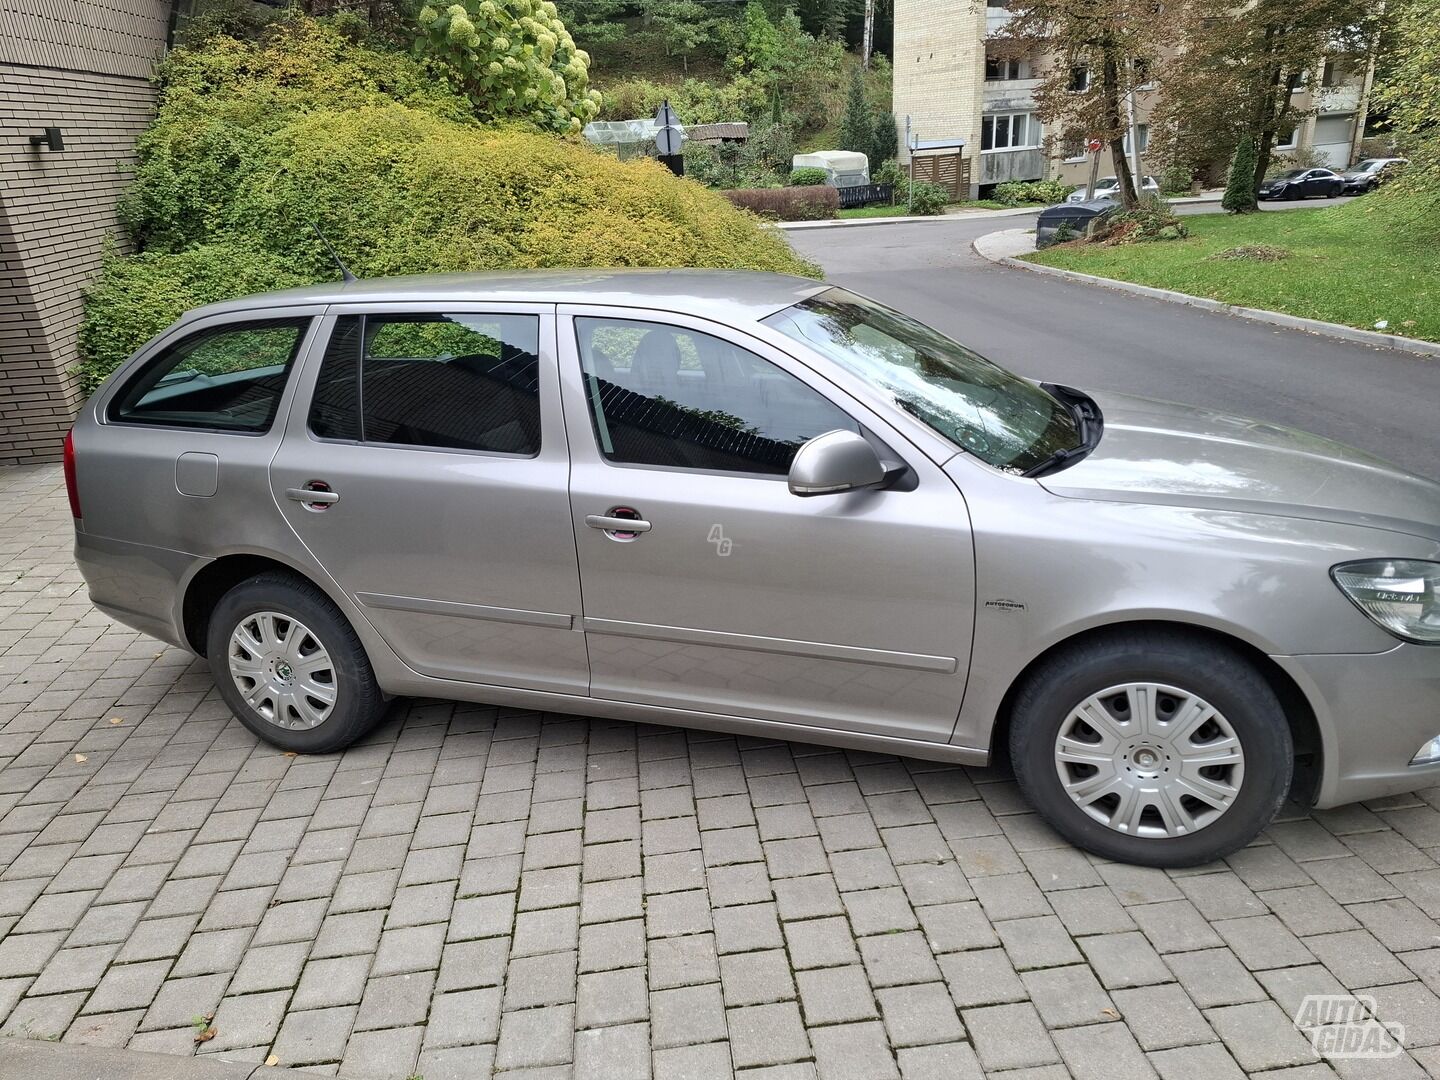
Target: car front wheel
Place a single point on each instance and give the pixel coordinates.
(1162, 750)
(290, 666)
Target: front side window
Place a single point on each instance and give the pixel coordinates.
(979, 406)
(226, 378)
(457, 382)
(1010, 131)
(664, 395)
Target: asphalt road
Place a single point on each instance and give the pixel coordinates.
(1380, 400)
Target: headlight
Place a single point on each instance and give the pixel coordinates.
(1401, 595)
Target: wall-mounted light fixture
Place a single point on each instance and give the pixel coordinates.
(49, 138)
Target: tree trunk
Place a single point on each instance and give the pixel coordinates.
(1110, 91)
(868, 38)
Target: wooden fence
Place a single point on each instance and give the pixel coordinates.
(949, 171)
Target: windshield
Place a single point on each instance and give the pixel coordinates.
(1368, 165)
(1291, 175)
(982, 408)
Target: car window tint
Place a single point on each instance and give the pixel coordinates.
(226, 378)
(461, 381)
(663, 395)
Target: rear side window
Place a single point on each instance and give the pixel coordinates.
(227, 378)
(460, 382)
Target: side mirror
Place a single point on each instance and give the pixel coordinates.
(837, 461)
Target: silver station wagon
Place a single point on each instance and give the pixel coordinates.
(764, 505)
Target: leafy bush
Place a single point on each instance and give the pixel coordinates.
(137, 296)
(928, 199)
(808, 176)
(394, 171)
(1175, 180)
(1151, 220)
(1017, 193)
(788, 204)
(514, 59)
(1302, 157)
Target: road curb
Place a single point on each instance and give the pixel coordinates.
(1372, 338)
(30, 1059)
(935, 219)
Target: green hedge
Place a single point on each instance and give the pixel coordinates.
(255, 141)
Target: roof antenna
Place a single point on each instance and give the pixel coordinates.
(345, 274)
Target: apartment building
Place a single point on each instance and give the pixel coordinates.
(952, 82)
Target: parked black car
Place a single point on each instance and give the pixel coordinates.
(1371, 173)
(1302, 184)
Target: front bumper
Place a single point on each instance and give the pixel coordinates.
(1375, 711)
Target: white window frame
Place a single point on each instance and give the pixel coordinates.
(1009, 63)
(1034, 131)
(1144, 140)
(1070, 87)
(1293, 144)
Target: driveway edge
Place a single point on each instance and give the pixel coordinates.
(31, 1059)
(1372, 338)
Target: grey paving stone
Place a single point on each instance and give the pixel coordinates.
(308, 1037)
(1260, 1036)
(747, 928)
(1357, 959)
(835, 996)
(1214, 977)
(685, 961)
(1123, 960)
(1038, 942)
(981, 977)
(756, 978)
(1091, 911)
(1103, 1052)
(1162, 1017)
(548, 979)
(898, 959)
(949, 1061)
(956, 927)
(535, 1037)
(330, 982)
(612, 997)
(1263, 942)
(127, 986)
(879, 911)
(464, 1018)
(1211, 1061)
(820, 943)
(613, 945)
(707, 1061)
(1175, 926)
(687, 1014)
(613, 1053)
(919, 1015)
(767, 1035)
(852, 1050)
(269, 967)
(1009, 1037)
(395, 1001)
(382, 1053)
(250, 1020)
(1069, 996)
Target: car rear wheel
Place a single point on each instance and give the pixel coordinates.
(290, 666)
(1159, 750)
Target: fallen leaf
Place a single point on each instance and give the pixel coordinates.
(206, 1035)
(80, 759)
(272, 1061)
(1111, 1013)
(290, 753)
(117, 719)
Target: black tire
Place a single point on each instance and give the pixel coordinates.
(359, 703)
(1219, 675)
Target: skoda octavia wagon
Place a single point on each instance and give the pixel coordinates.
(763, 505)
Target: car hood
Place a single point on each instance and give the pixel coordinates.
(1273, 182)
(1159, 452)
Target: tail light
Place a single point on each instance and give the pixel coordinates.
(70, 488)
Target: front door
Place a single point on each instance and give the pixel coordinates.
(730, 595)
(428, 478)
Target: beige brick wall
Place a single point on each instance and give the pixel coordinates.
(58, 208)
(940, 69)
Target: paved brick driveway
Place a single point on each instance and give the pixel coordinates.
(473, 888)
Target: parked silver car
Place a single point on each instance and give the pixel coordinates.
(763, 505)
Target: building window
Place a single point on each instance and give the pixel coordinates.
(1143, 131)
(1144, 75)
(1010, 131)
(1079, 79)
(1285, 140)
(999, 69)
(1333, 73)
(1072, 149)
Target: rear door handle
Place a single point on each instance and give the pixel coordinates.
(313, 496)
(617, 524)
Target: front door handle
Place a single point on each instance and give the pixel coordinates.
(621, 523)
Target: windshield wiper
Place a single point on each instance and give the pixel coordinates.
(1087, 418)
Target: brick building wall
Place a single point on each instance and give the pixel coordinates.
(84, 67)
(940, 70)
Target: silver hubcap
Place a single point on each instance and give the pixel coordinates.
(1149, 760)
(282, 670)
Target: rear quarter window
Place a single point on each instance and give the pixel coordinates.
(224, 378)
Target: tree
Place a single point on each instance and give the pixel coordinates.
(857, 130)
(1239, 195)
(514, 59)
(1411, 95)
(1112, 42)
(595, 22)
(1243, 68)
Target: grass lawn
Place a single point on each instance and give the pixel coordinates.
(886, 210)
(1347, 266)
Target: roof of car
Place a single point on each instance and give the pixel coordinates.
(736, 295)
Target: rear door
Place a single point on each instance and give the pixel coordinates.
(428, 477)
